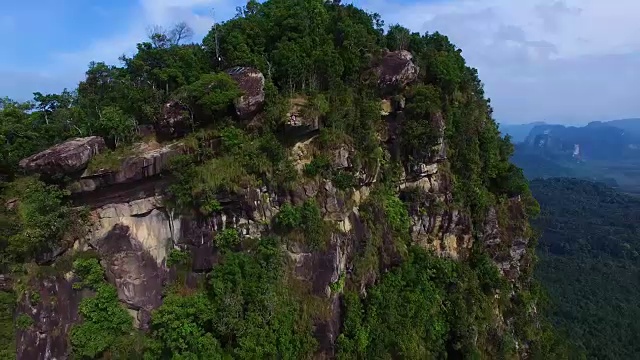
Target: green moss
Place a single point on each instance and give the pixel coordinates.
(110, 160)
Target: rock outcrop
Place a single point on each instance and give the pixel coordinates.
(65, 158)
(251, 83)
(505, 238)
(147, 160)
(175, 120)
(299, 123)
(396, 70)
(147, 223)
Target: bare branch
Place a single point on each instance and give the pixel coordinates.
(181, 31)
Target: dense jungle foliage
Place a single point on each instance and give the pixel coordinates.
(250, 306)
(589, 262)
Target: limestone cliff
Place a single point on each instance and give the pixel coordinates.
(133, 227)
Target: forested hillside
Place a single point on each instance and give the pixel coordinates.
(590, 265)
(303, 184)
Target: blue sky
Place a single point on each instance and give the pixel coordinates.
(569, 61)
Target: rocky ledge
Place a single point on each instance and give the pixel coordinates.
(65, 158)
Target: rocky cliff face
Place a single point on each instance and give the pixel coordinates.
(133, 231)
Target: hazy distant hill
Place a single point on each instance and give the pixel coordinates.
(629, 125)
(598, 151)
(518, 132)
(596, 141)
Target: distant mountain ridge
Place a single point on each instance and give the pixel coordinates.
(518, 132)
(608, 152)
(631, 125)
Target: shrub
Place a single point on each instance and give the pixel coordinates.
(227, 239)
(178, 257)
(343, 180)
(90, 273)
(104, 321)
(320, 165)
(24, 321)
(288, 218)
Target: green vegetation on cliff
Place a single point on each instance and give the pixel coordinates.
(326, 63)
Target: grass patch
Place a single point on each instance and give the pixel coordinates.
(110, 160)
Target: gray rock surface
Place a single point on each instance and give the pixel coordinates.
(65, 158)
(175, 120)
(251, 83)
(396, 70)
(136, 274)
(53, 311)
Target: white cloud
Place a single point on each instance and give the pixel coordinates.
(165, 13)
(67, 68)
(571, 60)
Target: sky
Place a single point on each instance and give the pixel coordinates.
(560, 61)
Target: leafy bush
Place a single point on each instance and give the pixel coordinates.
(24, 321)
(38, 222)
(178, 257)
(104, 321)
(289, 217)
(227, 239)
(319, 165)
(247, 311)
(422, 309)
(343, 180)
(90, 273)
(307, 219)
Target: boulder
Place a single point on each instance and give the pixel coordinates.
(175, 120)
(65, 158)
(396, 70)
(251, 83)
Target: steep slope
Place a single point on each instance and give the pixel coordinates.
(313, 188)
